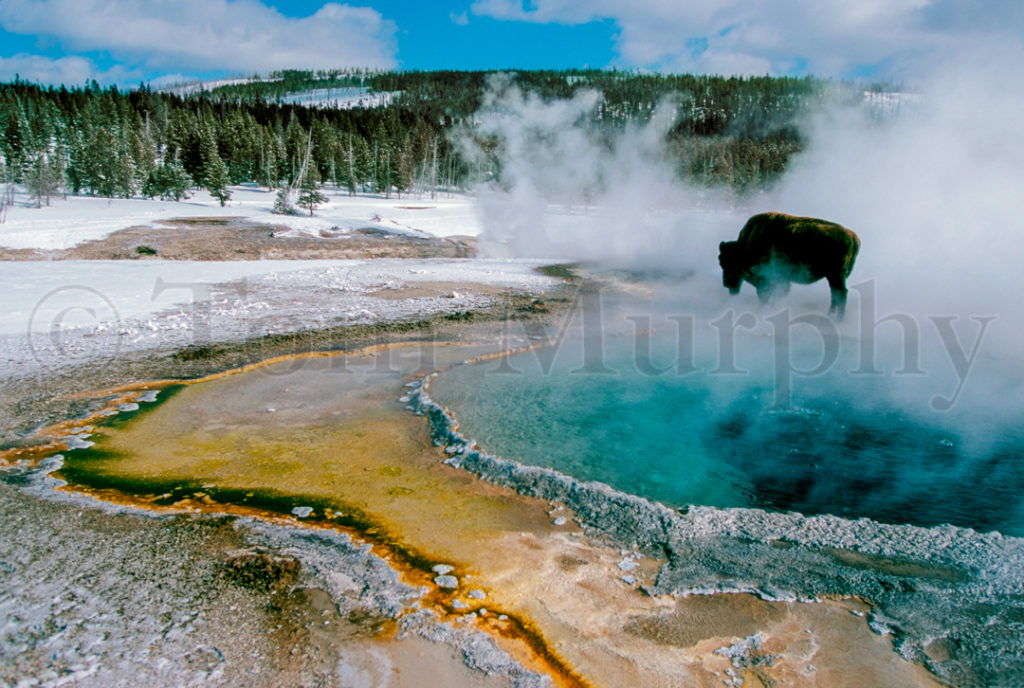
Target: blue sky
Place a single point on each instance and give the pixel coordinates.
(128, 41)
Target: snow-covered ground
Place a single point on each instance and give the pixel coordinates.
(67, 312)
(59, 312)
(42, 295)
(66, 223)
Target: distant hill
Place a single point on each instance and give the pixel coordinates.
(385, 132)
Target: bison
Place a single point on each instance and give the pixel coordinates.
(774, 249)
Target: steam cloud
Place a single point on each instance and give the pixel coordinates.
(935, 195)
(933, 192)
(568, 191)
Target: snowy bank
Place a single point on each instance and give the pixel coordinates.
(67, 312)
(78, 219)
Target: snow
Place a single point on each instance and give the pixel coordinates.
(339, 97)
(194, 87)
(342, 98)
(60, 312)
(67, 223)
(40, 294)
(888, 104)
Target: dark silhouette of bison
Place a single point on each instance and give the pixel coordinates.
(774, 249)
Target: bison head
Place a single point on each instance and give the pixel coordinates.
(730, 257)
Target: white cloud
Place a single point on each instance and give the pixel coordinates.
(827, 37)
(70, 71)
(232, 35)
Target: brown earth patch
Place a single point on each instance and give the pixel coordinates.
(447, 290)
(231, 238)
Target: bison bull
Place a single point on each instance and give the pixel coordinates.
(774, 249)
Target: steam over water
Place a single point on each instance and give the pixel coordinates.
(926, 431)
(738, 429)
(908, 413)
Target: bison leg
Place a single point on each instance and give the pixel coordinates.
(838, 286)
(768, 289)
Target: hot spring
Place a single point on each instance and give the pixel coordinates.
(778, 410)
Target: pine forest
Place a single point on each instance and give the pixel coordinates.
(400, 133)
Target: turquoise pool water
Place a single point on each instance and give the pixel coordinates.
(843, 444)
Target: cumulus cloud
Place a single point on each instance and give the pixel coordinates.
(233, 35)
(71, 70)
(828, 37)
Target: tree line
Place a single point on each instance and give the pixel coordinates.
(737, 132)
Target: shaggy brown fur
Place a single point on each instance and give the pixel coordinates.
(774, 249)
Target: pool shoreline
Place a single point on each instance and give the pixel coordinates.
(53, 400)
(597, 504)
(860, 558)
(617, 594)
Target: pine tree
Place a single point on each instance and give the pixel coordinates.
(309, 190)
(103, 162)
(283, 202)
(349, 166)
(126, 171)
(382, 163)
(15, 141)
(143, 147)
(217, 181)
(215, 172)
(433, 169)
(296, 143)
(266, 170)
(41, 179)
(169, 181)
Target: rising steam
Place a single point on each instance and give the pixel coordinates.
(569, 191)
(932, 187)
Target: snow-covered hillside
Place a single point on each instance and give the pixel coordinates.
(889, 104)
(193, 87)
(340, 98)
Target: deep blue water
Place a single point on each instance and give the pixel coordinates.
(854, 446)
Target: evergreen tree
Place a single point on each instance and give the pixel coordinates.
(734, 132)
(283, 202)
(16, 141)
(215, 172)
(348, 166)
(266, 170)
(217, 181)
(295, 142)
(127, 171)
(383, 160)
(42, 179)
(102, 162)
(169, 181)
(142, 147)
(309, 190)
